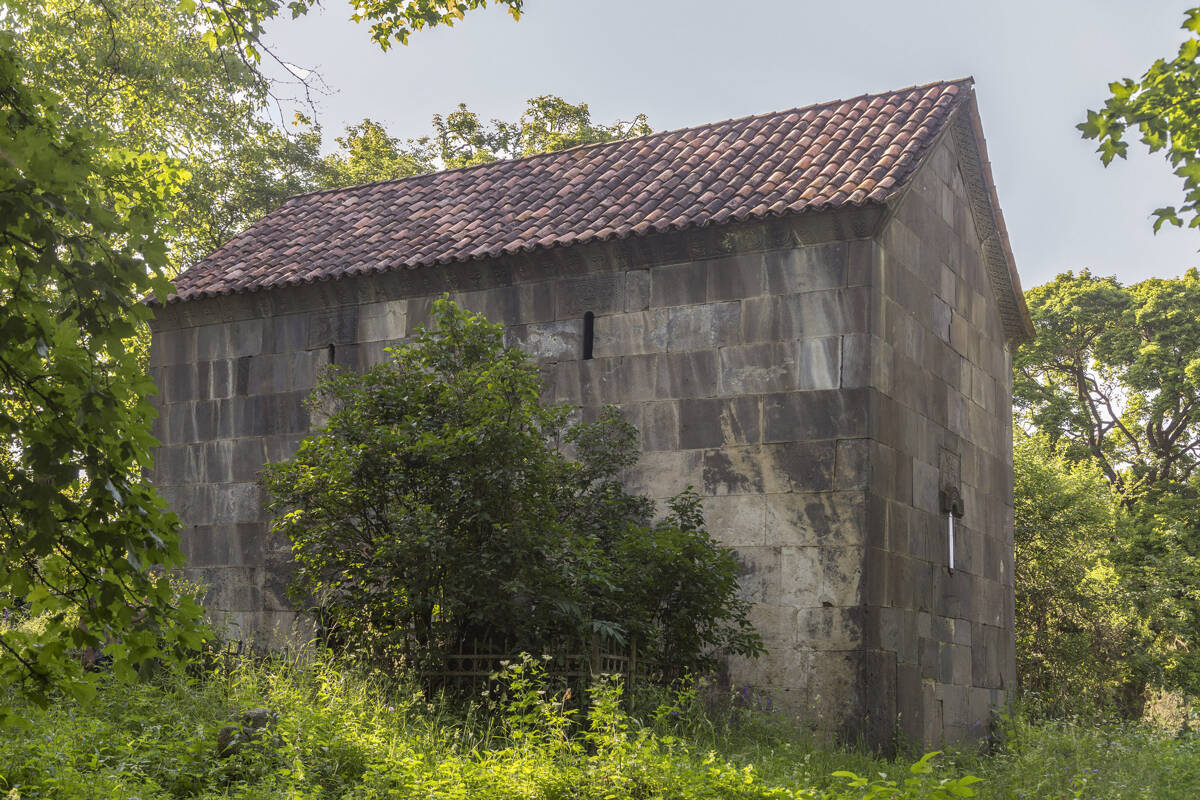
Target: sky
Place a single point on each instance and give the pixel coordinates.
(1038, 68)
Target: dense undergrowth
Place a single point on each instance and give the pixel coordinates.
(343, 734)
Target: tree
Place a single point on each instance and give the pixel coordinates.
(238, 24)
(1114, 375)
(140, 71)
(1081, 644)
(1164, 108)
(460, 139)
(549, 123)
(368, 154)
(436, 508)
(83, 539)
(87, 203)
(1113, 379)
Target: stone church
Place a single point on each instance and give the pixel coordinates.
(808, 314)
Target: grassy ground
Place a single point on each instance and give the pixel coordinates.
(343, 735)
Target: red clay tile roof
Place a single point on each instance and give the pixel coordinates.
(844, 153)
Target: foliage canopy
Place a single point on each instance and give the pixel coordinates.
(80, 531)
(1113, 380)
(1079, 636)
(139, 71)
(460, 139)
(1114, 374)
(437, 508)
(131, 136)
(1163, 107)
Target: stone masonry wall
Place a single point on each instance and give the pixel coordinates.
(941, 641)
(743, 373)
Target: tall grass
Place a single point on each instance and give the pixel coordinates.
(344, 734)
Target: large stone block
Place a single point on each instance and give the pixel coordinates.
(760, 573)
(769, 468)
(275, 374)
(634, 379)
(735, 277)
(383, 321)
(806, 269)
(806, 316)
(797, 467)
(637, 290)
(898, 633)
(814, 518)
(732, 470)
(808, 416)
(665, 473)
(713, 422)
(231, 588)
(678, 285)
(238, 545)
(858, 352)
(285, 333)
(599, 294)
(337, 327)
(737, 520)
(702, 327)
(852, 468)
(176, 346)
(841, 576)
(177, 383)
(801, 581)
(758, 368)
(829, 628)
(834, 689)
(818, 363)
(634, 333)
(550, 341)
(683, 375)
(660, 425)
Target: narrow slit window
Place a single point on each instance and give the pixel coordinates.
(954, 508)
(950, 529)
(589, 334)
(332, 354)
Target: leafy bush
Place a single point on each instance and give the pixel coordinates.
(437, 508)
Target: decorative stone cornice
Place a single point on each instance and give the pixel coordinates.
(967, 131)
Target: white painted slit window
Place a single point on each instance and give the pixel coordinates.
(950, 527)
(953, 508)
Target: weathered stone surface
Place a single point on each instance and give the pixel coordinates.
(658, 424)
(735, 277)
(550, 341)
(683, 375)
(702, 327)
(380, 321)
(634, 333)
(758, 368)
(805, 316)
(808, 416)
(738, 520)
(637, 290)
(818, 363)
(806, 269)
(599, 294)
(814, 518)
(678, 285)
